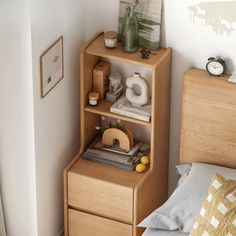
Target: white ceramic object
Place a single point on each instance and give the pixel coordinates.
(137, 99)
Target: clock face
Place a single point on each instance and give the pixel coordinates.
(215, 68)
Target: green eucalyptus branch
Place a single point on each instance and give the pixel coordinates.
(136, 2)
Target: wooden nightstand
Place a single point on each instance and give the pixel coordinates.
(101, 200)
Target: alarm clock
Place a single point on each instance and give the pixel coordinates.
(216, 66)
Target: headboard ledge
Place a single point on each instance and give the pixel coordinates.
(208, 125)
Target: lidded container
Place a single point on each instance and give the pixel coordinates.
(110, 38)
(93, 98)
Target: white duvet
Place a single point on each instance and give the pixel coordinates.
(157, 232)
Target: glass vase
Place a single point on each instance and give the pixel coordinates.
(130, 32)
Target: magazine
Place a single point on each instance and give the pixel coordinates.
(124, 107)
(114, 155)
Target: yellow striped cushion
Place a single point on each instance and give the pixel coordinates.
(217, 216)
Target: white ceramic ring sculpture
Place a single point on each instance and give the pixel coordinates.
(141, 99)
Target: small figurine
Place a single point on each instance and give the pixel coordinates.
(145, 53)
(115, 87)
(114, 82)
(120, 125)
(105, 124)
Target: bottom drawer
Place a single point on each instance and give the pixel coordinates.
(84, 224)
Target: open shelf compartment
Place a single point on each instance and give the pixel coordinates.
(98, 48)
(103, 108)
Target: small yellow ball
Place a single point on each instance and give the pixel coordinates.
(140, 168)
(145, 160)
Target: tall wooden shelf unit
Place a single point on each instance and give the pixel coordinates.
(100, 200)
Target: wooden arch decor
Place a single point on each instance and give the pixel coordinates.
(125, 138)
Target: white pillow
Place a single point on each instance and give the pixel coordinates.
(183, 171)
(180, 210)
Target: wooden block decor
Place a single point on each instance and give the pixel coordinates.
(125, 138)
(101, 74)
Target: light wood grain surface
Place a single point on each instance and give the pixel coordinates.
(103, 108)
(97, 48)
(100, 197)
(208, 132)
(83, 224)
(107, 173)
(152, 191)
(104, 190)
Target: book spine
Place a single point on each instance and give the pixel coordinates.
(126, 113)
(109, 162)
(109, 156)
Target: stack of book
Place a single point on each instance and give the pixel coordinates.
(114, 155)
(123, 107)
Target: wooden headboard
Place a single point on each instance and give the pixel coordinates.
(208, 127)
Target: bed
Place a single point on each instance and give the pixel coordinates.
(207, 147)
(156, 232)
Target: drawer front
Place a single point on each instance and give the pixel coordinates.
(83, 224)
(100, 197)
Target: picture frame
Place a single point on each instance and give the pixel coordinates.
(52, 66)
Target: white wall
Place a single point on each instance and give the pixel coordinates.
(56, 115)
(192, 42)
(101, 15)
(38, 136)
(17, 167)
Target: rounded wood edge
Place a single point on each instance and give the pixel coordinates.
(168, 52)
(158, 69)
(137, 190)
(65, 190)
(88, 42)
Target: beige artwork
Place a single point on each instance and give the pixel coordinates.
(51, 67)
(219, 15)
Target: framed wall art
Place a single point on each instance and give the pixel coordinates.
(148, 13)
(51, 67)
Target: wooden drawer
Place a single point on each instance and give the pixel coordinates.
(100, 197)
(83, 224)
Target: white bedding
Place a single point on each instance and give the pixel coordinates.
(156, 232)
(181, 209)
